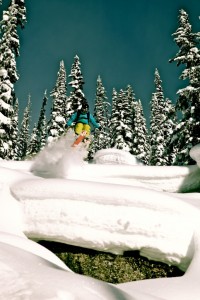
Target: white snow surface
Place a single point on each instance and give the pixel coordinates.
(115, 156)
(112, 207)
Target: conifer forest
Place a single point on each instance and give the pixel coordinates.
(174, 128)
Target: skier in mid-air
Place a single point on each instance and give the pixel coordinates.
(82, 119)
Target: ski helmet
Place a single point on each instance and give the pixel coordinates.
(85, 106)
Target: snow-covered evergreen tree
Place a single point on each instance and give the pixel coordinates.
(9, 44)
(59, 92)
(58, 113)
(101, 138)
(76, 94)
(156, 137)
(121, 122)
(9, 48)
(140, 134)
(42, 124)
(39, 134)
(169, 125)
(113, 117)
(131, 96)
(32, 148)
(15, 132)
(131, 100)
(187, 132)
(43, 136)
(23, 139)
(6, 113)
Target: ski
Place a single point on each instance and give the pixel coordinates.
(79, 139)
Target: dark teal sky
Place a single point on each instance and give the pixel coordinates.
(123, 41)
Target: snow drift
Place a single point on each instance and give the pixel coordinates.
(112, 207)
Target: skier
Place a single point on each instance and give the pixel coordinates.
(82, 119)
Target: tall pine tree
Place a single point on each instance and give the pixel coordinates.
(23, 139)
(156, 137)
(15, 132)
(140, 134)
(131, 100)
(32, 148)
(76, 94)
(42, 125)
(9, 48)
(101, 138)
(57, 119)
(169, 125)
(187, 132)
(39, 134)
(121, 122)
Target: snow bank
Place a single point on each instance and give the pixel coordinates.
(195, 154)
(166, 178)
(11, 220)
(181, 288)
(24, 275)
(115, 156)
(114, 221)
(113, 217)
(60, 160)
(25, 244)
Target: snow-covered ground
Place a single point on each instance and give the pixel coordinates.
(114, 204)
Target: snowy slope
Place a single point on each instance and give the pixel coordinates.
(113, 208)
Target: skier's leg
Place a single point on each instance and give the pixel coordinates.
(78, 128)
(86, 127)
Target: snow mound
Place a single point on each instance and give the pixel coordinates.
(25, 276)
(27, 245)
(68, 212)
(11, 220)
(116, 156)
(195, 154)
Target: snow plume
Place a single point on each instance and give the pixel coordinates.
(59, 159)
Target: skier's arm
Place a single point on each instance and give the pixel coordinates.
(93, 121)
(72, 119)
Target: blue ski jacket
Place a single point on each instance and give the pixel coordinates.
(83, 118)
